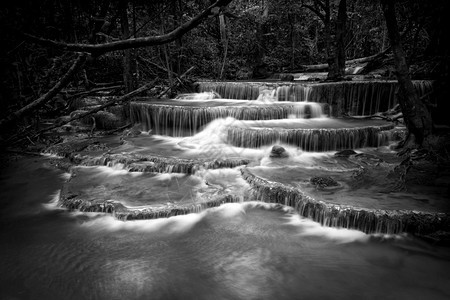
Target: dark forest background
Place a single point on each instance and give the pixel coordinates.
(247, 39)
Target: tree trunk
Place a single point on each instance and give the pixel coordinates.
(129, 63)
(260, 68)
(178, 18)
(165, 55)
(224, 41)
(336, 59)
(327, 29)
(99, 21)
(416, 115)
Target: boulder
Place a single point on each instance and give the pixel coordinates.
(287, 77)
(345, 153)
(323, 181)
(278, 152)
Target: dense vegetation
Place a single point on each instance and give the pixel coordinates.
(244, 39)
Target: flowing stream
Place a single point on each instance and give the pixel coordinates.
(215, 156)
(236, 251)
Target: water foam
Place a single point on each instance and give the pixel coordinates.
(229, 179)
(117, 169)
(203, 96)
(53, 203)
(296, 157)
(175, 224)
(212, 142)
(309, 228)
(100, 222)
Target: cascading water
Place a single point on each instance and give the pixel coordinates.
(319, 139)
(230, 125)
(178, 118)
(226, 199)
(351, 97)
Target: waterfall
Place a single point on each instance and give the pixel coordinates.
(310, 139)
(332, 215)
(166, 212)
(123, 213)
(307, 110)
(352, 97)
(231, 90)
(199, 96)
(294, 92)
(176, 120)
(153, 163)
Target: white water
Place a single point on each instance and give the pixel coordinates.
(307, 227)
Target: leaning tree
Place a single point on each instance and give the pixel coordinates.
(416, 114)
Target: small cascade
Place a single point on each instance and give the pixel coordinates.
(176, 120)
(357, 98)
(153, 163)
(127, 214)
(267, 95)
(360, 97)
(113, 191)
(166, 212)
(198, 96)
(296, 93)
(352, 97)
(308, 110)
(322, 139)
(231, 90)
(332, 215)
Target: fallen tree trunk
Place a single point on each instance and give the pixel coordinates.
(76, 66)
(392, 118)
(93, 91)
(324, 67)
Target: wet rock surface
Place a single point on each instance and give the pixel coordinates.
(345, 153)
(121, 194)
(86, 191)
(287, 77)
(278, 152)
(432, 226)
(323, 182)
(368, 170)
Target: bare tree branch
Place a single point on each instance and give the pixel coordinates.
(316, 11)
(99, 49)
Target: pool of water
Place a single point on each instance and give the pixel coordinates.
(235, 251)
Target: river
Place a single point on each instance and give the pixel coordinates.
(247, 250)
